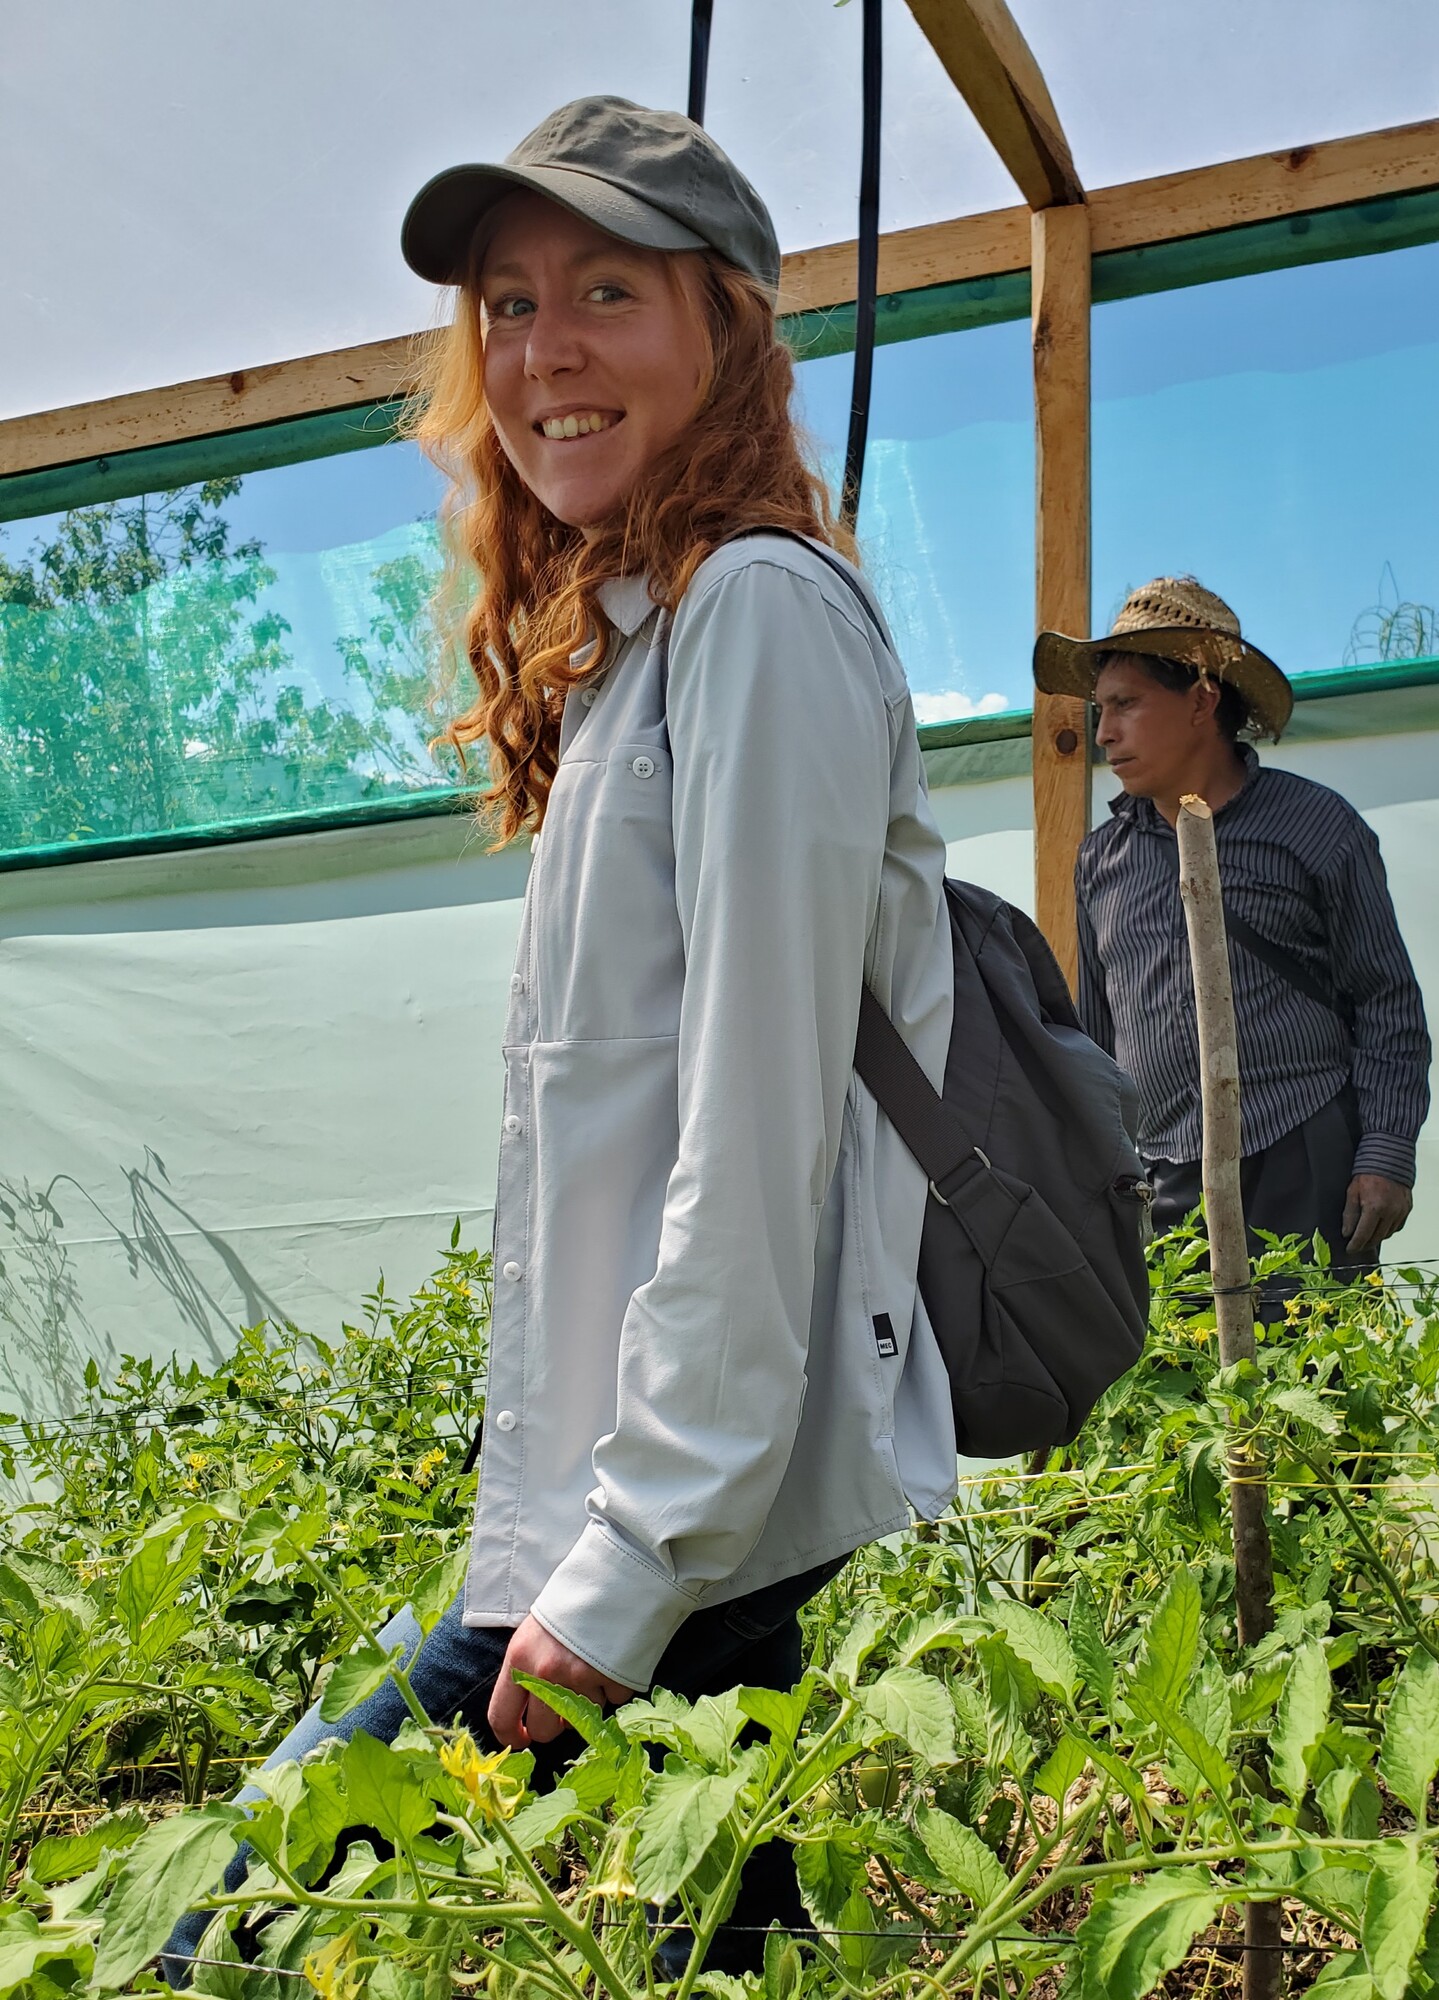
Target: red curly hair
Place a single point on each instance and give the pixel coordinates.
(741, 464)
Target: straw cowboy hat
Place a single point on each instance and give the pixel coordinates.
(1173, 618)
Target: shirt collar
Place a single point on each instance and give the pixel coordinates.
(1145, 813)
(626, 602)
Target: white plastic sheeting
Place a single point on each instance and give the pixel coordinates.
(248, 1080)
(192, 190)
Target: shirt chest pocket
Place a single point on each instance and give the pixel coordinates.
(608, 952)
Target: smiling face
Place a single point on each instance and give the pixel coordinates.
(595, 355)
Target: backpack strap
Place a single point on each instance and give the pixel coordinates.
(888, 1069)
(1282, 962)
(882, 1058)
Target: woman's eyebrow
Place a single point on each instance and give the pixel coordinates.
(515, 272)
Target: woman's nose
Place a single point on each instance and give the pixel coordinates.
(553, 346)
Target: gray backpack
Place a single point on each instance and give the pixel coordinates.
(1031, 1264)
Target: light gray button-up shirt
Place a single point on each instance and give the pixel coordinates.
(710, 1368)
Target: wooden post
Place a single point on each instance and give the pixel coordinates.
(1061, 445)
(1233, 1297)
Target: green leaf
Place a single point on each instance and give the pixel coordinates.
(1039, 1641)
(1309, 1407)
(1170, 1645)
(356, 1677)
(1086, 1636)
(918, 1636)
(682, 1814)
(1063, 1768)
(544, 1818)
(714, 1723)
(283, 1538)
(1345, 1978)
(1396, 1911)
(1409, 1754)
(781, 1714)
(1350, 1802)
(153, 1578)
(585, 1717)
(388, 1788)
(1207, 1704)
(26, 1944)
(1132, 1938)
(783, 1969)
(961, 1856)
(432, 1593)
(865, 1632)
(1209, 1762)
(1010, 1692)
(915, 1707)
(314, 1811)
(829, 1873)
(170, 1867)
(61, 1858)
(1303, 1712)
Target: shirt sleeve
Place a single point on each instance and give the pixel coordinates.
(781, 748)
(1390, 1037)
(1093, 1001)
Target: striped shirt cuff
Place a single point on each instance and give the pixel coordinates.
(612, 1608)
(1380, 1153)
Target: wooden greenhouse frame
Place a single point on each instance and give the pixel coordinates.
(1209, 222)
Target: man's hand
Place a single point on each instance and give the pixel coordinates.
(520, 1718)
(1374, 1208)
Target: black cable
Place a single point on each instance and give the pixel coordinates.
(701, 14)
(868, 265)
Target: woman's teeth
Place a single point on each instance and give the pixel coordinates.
(575, 426)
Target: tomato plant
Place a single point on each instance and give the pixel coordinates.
(1026, 1750)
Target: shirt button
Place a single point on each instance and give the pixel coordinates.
(513, 1125)
(505, 1420)
(587, 696)
(517, 985)
(643, 767)
(513, 1272)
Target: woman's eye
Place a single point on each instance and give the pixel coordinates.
(512, 308)
(608, 294)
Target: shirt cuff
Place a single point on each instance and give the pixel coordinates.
(1380, 1153)
(614, 1609)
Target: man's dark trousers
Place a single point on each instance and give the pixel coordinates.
(1295, 1187)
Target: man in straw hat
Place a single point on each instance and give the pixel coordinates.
(1333, 1046)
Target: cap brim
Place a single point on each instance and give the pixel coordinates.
(1070, 666)
(440, 225)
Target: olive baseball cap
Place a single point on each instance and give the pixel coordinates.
(649, 177)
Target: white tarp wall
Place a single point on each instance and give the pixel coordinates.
(244, 1081)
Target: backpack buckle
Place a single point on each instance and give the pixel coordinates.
(979, 1155)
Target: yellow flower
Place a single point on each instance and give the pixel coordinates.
(429, 1465)
(1375, 1278)
(494, 1791)
(334, 1971)
(197, 1461)
(1292, 1309)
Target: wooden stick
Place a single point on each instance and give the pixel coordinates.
(993, 68)
(1263, 1977)
(1061, 578)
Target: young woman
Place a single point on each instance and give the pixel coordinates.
(710, 1378)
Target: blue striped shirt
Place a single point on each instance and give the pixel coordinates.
(1300, 866)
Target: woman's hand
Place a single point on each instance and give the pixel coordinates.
(520, 1718)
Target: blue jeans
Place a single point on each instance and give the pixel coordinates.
(753, 1640)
